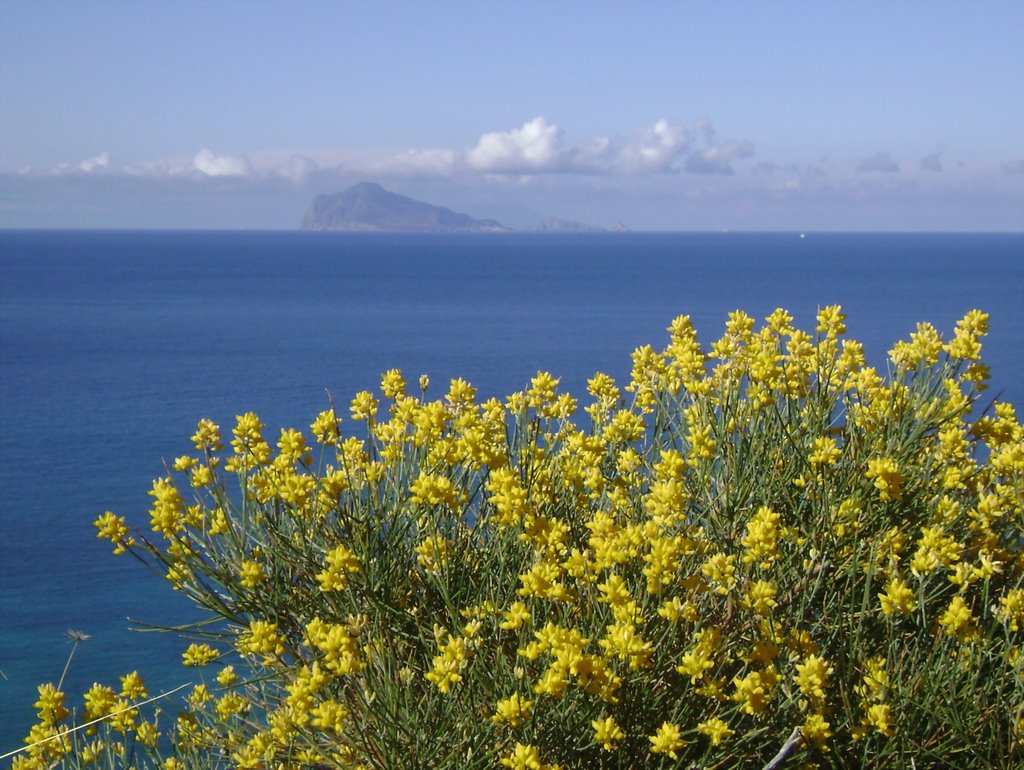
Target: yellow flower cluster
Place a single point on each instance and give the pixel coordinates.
(723, 549)
(112, 727)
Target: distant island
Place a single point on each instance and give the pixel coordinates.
(553, 225)
(368, 207)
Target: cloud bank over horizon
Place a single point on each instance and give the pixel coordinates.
(686, 164)
(538, 146)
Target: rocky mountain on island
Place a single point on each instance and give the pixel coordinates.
(368, 207)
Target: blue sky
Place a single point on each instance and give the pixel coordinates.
(663, 115)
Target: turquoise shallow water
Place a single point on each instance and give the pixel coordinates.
(113, 344)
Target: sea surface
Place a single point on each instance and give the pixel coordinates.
(113, 345)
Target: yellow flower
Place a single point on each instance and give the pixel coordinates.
(544, 579)
(754, 690)
(720, 570)
(762, 537)
(812, 676)
(699, 659)
(88, 754)
(879, 716)
(523, 757)
(432, 554)
(201, 476)
(292, 445)
(199, 655)
(329, 715)
(207, 436)
(460, 396)
(227, 676)
(132, 686)
(183, 463)
(716, 729)
(957, 619)
(516, 616)
(779, 320)
(230, 705)
(897, 599)
(340, 562)
(876, 681)
(965, 344)
(624, 427)
(607, 732)
(446, 666)
(614, 591)
(252, 573)
(99, 701)
(623, 641)
(364, 407)
(935, 549)
(50, 705)
(261, 638)
(760, 597)
(542, 390)
(199, 696)
(817, 730)
(702, 445)
(824, 451)
(512, 710)
(667, 740)
(432, 489)
(830, 321)
(675, 610)
(325, 428)
(1011, 609)
(852, 359)
(392, 384)
(166, 514)
(114, 529)
(886, 475)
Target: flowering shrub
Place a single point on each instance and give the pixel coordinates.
(761, 540)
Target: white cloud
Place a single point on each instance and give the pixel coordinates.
(220, 165)
(297, 165)
(658, 149)
(428, 162)
(594, 155)
(163, 167)
(536, 146)
(296, 168)
(101, 161)
(718, 158)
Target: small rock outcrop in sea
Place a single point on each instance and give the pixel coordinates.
(553, 225)
(368, 207)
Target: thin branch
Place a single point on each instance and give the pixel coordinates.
(71, 730)
(77, 637)
(791, 741)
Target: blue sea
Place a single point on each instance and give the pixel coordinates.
(113, 345)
